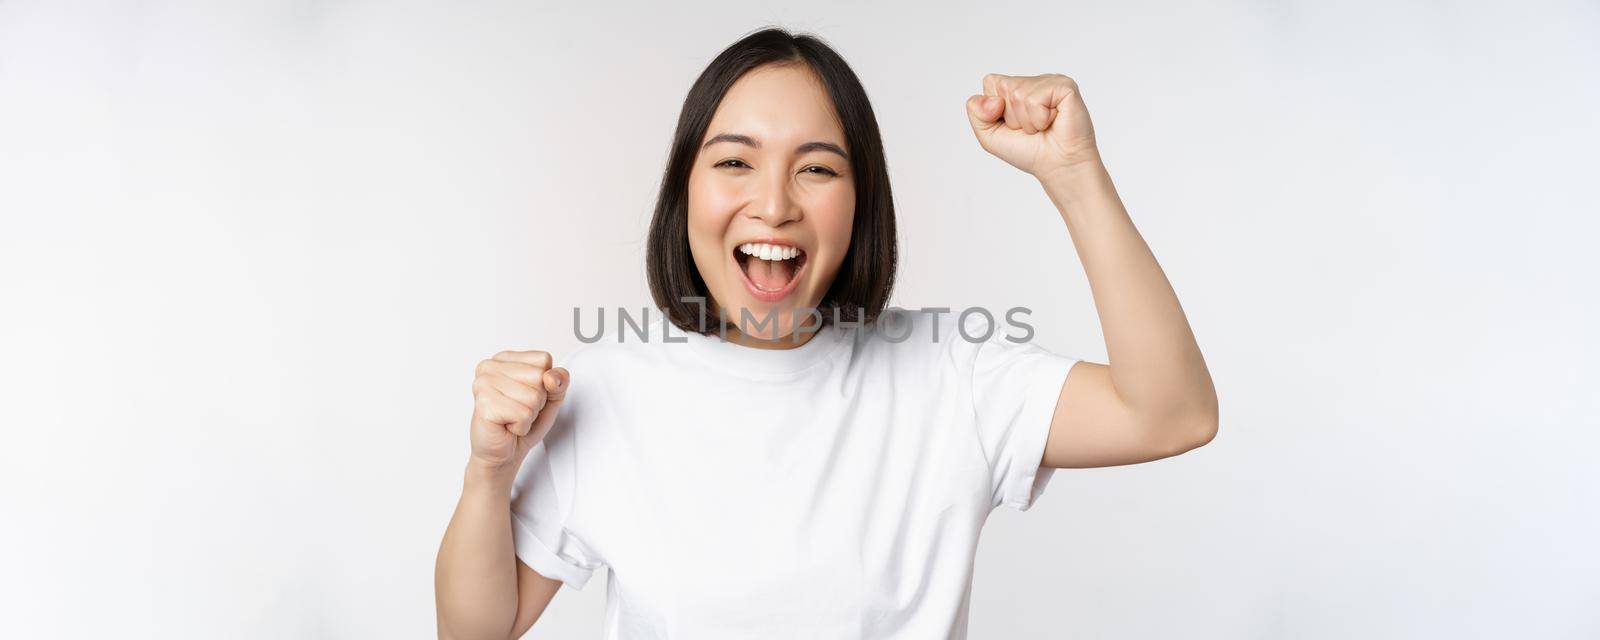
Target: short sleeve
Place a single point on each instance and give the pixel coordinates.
(542, 502)
(1015, 386)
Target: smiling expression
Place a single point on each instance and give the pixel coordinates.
(771, 198)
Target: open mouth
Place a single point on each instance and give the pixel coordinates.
(771, 270)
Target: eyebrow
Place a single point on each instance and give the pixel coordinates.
(738, 138)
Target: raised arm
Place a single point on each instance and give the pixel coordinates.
(1155, 398)
(481, 589)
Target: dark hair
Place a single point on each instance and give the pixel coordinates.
(860, 290)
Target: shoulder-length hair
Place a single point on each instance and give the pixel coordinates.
(860, 290)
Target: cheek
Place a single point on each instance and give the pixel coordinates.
(708, 216)
(832, 215)
(712, 201)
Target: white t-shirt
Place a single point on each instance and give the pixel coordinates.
(834, 490)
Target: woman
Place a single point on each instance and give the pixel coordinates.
(803, 475)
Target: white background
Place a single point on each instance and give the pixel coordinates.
(250, 253)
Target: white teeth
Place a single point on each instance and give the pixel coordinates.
(766, 251)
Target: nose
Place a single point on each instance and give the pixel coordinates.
(773, 203)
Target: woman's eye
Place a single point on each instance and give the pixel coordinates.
(820, 170)
(737, 164)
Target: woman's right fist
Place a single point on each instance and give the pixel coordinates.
(515, 397)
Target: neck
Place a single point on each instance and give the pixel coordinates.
(796, 338)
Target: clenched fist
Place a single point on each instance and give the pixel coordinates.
(1038, 124)
(515, 397)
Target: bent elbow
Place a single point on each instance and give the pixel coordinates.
(1204, 434)
(1191, 431)
(1203, 427)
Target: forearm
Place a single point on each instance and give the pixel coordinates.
(475, 579)
(1155, 363)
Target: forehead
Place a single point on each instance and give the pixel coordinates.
(782, 103)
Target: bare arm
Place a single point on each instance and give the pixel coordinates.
(481, 589)
(1155, 399)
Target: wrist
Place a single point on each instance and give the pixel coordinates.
(481, 477)
(1084, 169)
(1078, 182)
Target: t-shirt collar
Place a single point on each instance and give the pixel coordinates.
(738, 359)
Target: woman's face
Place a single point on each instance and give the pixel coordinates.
(772, 179)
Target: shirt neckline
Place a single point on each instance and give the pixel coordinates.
(741, 361)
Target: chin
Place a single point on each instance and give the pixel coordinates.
(783, 319)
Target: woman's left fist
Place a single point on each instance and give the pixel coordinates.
(1035, 123)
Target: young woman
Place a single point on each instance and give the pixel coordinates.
(810, 476)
